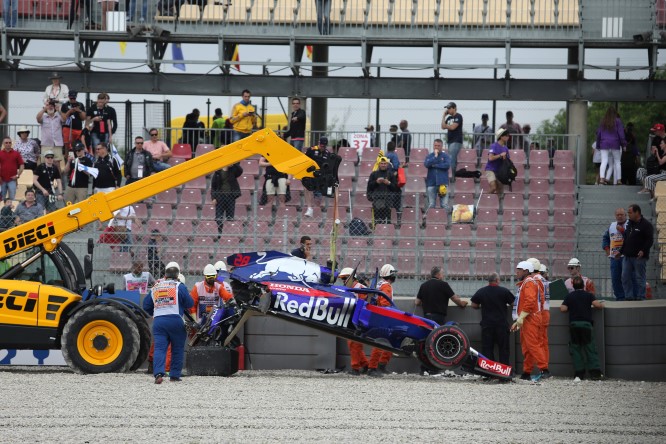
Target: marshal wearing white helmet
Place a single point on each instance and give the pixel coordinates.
(219, 267)
(574, 266)
(207, 293)
(167, 303)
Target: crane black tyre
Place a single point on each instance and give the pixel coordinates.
(100, 339)
(446, 347)
(146, 338)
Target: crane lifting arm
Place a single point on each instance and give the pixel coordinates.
(47, 231)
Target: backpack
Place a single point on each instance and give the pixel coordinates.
(507, 172)
(358, 228)
(652, 165)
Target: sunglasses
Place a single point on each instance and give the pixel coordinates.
(153, 134)
(49, 157)
(571, 268)
(138, 143)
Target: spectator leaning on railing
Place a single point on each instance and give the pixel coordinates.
(159, 150)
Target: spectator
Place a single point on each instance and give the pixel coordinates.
(596, 160)
(159, 150)
(359, 361)
(167, 303)
(405, 140)
(29, 149)
(630, 156)
(453, 123)
(275, 182)
(47, 183)
(323, 16)
(11, 168)
(638, 239)
(78, 178)
(56, 91)
(379, 359)
(493, 301)
(207, 294)
(243, 116)
(582, 347)
(650, 182)
(296, 131)
(138, 163)
(383, 192)
(217, 128)
(319, 153)
(393, 132)
(133, 10)
(574, 269)
(527, 315)
(10, 13)
(137, 279)
(193, 129)
(102, 120)
(526, 140)
(224, 190)
(514, 129)
(611, 142)
(7, 215)
(658, 134)
(73, 113)
(122, 222)
(611, 242)
(51, 132)
(483, 135)
(496, 155)
(305, 249)
(108, 176)
(29, 209)
(392, 156)
(370, 129)
(437, 163)
(155, 264)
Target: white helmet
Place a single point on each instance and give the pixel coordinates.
(573, 262)
(181, 278)
(209, 270)
(535, 263)
(347, 271)
(220, 266)
(173, 265)
(387, 271)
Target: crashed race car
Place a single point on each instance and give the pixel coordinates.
(290, 288)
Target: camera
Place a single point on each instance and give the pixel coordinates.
(52, 101)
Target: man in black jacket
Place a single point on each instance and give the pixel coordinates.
(638, 239)
(296, 129)
(139, 163)
(224, 190)
(383, 191)
(102, 120)
(108, 177)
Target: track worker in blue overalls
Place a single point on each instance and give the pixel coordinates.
(167, 303)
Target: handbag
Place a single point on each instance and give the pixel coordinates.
(402, 177)
(112, 235)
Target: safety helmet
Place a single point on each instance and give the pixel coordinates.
(442, 190)
(387, 271)
(209, 270)
(181, 278)
(573, 262)
(543, 269)
(524, 265)
(220, 266)
(536, 264)
(347, 271)
(173, 265)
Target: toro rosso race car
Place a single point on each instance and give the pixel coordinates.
(296, 290)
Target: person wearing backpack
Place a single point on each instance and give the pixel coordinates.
(496, 155)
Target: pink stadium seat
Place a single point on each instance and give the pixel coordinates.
(363, 213)
(208, 211)
(414, 185)
(203, 244)
(186, 212)
(417, 156)
(459, 248)
(407, 264)
(250, 167)
(160, 211)
(380, 246)
(365, 168)
(348, 154)
(487, 216)
(411, 216)
(182, 151)
(466, 165)
(538, 217)
(539, 186)
(538, 202)
(406, 245)
(167, 197)
(564, 172)
(564, 233)
(289, 213)
(433, 246)
(458, 266)
(508, 267)
(360, 200)
(537, 233)
(539, 157)
(564, 202)
(513, 202)
(513, 215)
(246, 182)
(489, 201)
(199, 182)
(191, 196)
(436, 216)
(264, 213)
(563, 249)
(483, 267)
(227, 247)
(486, 249)
(278, 243)
(197, 261)
(244, 200)
(417, 170)
(369, 155)
(182, 228)
(203, 148)
(357, 246)
(434, 230)
(384, 231)
(408, 232)
(401, 154)
(207, 228)
(427, 262)
(460, 232)
(564, 187)
(463, 199)
(257, 229)
(345, 183)
(517, 157)
(487, 233)
(564, 157)
(517, 232)
(141, 211)
(173, 161)
(563, 217)
(120, 262)
(541, 172)
(466, 156)
(347, 169)
(517, 246)
(465, 186)
(174, 255)
(520, 173)
(413, 200)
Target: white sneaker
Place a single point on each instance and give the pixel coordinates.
(309, 212)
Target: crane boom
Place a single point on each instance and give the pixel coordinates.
(48, 230)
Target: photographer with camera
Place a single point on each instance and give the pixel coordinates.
(73, 114)
(51, 131)
(243, 117)
(47, 183)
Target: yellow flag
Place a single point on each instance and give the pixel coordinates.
(123, 47)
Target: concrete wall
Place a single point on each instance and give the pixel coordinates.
(630, 337)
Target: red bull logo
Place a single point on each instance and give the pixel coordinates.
(494, 367)
(317, 309)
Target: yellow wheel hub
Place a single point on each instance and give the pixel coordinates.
(100, 342)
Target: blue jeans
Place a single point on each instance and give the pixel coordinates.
(237, 135)
(633, 278)
(323, 14)
(454, 149)
(8, 186)
(298, 144)
(144, 9)
(432, 198)
(97, 138)
(10, 13)
(616, 278)
(160, 166)
(167, 330)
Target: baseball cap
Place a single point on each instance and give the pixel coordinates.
(484, 116)
(323, 141)
(72, 93)
(451, 105)
(79, 146)
(657, 127)
(524, 265)
(49, 153)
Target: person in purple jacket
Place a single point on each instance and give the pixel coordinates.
(496, 155)
(611, 142)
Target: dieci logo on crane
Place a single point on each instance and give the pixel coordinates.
(29, 237)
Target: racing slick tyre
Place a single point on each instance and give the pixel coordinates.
(446, 347)
(145, 341)
(100, 339)
(423, 358)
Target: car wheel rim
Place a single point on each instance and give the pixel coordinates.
(448, 346)
(100, 342)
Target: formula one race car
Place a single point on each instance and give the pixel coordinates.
(296, 290)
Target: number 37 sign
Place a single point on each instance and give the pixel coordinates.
(360, 141)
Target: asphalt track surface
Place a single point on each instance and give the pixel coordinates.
(56, 405)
